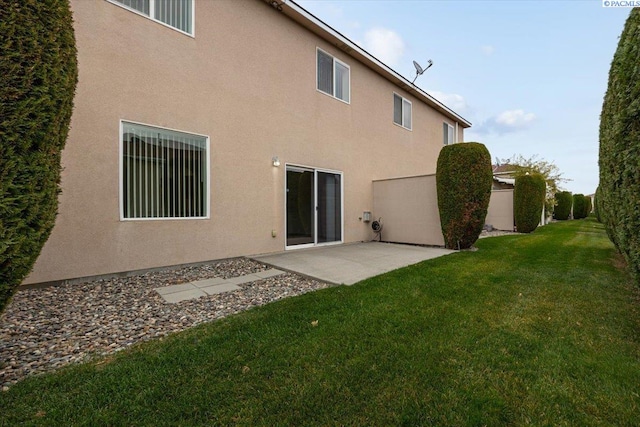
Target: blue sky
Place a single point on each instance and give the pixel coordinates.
(529, 75)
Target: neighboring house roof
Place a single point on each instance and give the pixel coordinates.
(510, 181)
(331, 35)
(505, 169)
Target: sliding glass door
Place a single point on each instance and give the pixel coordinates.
(300, 206)
(313, 206)
(329, 190)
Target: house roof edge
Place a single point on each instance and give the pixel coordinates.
(305, 18)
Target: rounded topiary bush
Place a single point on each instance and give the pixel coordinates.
(579, 206)
(39, 73)
(528, 201)
(620, 146)
(464, 180)
(564, 201)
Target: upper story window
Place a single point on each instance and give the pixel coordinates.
(448, 134)
(164, 173)
(174, 13)
(333, 76)
(401, 111)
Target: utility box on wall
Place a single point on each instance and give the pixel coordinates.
(409, 210)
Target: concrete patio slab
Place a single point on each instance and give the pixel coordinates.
(350, 263)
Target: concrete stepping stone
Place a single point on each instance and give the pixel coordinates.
(184, 295)
(219, 289)
(216, 285)
(166, 290)
(209, 282)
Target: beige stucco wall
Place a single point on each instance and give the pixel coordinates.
(500, 212)
(409, 210)
(248, 81)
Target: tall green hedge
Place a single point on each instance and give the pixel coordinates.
(579, 206)
(528, 201)
(564, 201)
(464, 180)
(620, 146)
(597, 205)
(38, 70)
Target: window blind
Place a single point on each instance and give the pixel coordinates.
(164, 173)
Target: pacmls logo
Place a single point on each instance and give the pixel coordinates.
(620, 3)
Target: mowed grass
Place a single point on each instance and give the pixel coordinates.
(541, 329)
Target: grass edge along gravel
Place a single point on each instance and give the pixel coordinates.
(538, 329)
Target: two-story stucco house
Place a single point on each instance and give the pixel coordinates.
(207, 129)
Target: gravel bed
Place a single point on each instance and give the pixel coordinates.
(44, 329)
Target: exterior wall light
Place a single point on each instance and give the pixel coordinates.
(276, 161)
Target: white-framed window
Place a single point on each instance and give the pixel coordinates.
(333, 76)
(178, 14)
(448, 134)
(164, 173)
(401, 111)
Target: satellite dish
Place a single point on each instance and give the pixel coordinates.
(420, 70)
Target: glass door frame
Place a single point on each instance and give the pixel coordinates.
(315, 171)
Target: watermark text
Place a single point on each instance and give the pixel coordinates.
(620, 3)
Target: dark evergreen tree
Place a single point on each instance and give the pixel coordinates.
(579, 206)
(620, 146)
(597, 205)
(528, 201)
(464, 180)
(38, 69)
(564, 201)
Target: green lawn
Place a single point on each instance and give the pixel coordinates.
(539, 329)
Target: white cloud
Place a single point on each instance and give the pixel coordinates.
(487, 49)
(515, 118)
(506, 122)
(384, 44)
(452, 100)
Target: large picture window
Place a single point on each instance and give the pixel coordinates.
(164, 173)
(175, 13)
(333, 76)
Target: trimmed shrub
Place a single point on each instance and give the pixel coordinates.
(589, 206)
(564, 201)
(528, 201)
(464, 180)
(620, 146)
(39, 73)
(579, 206)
